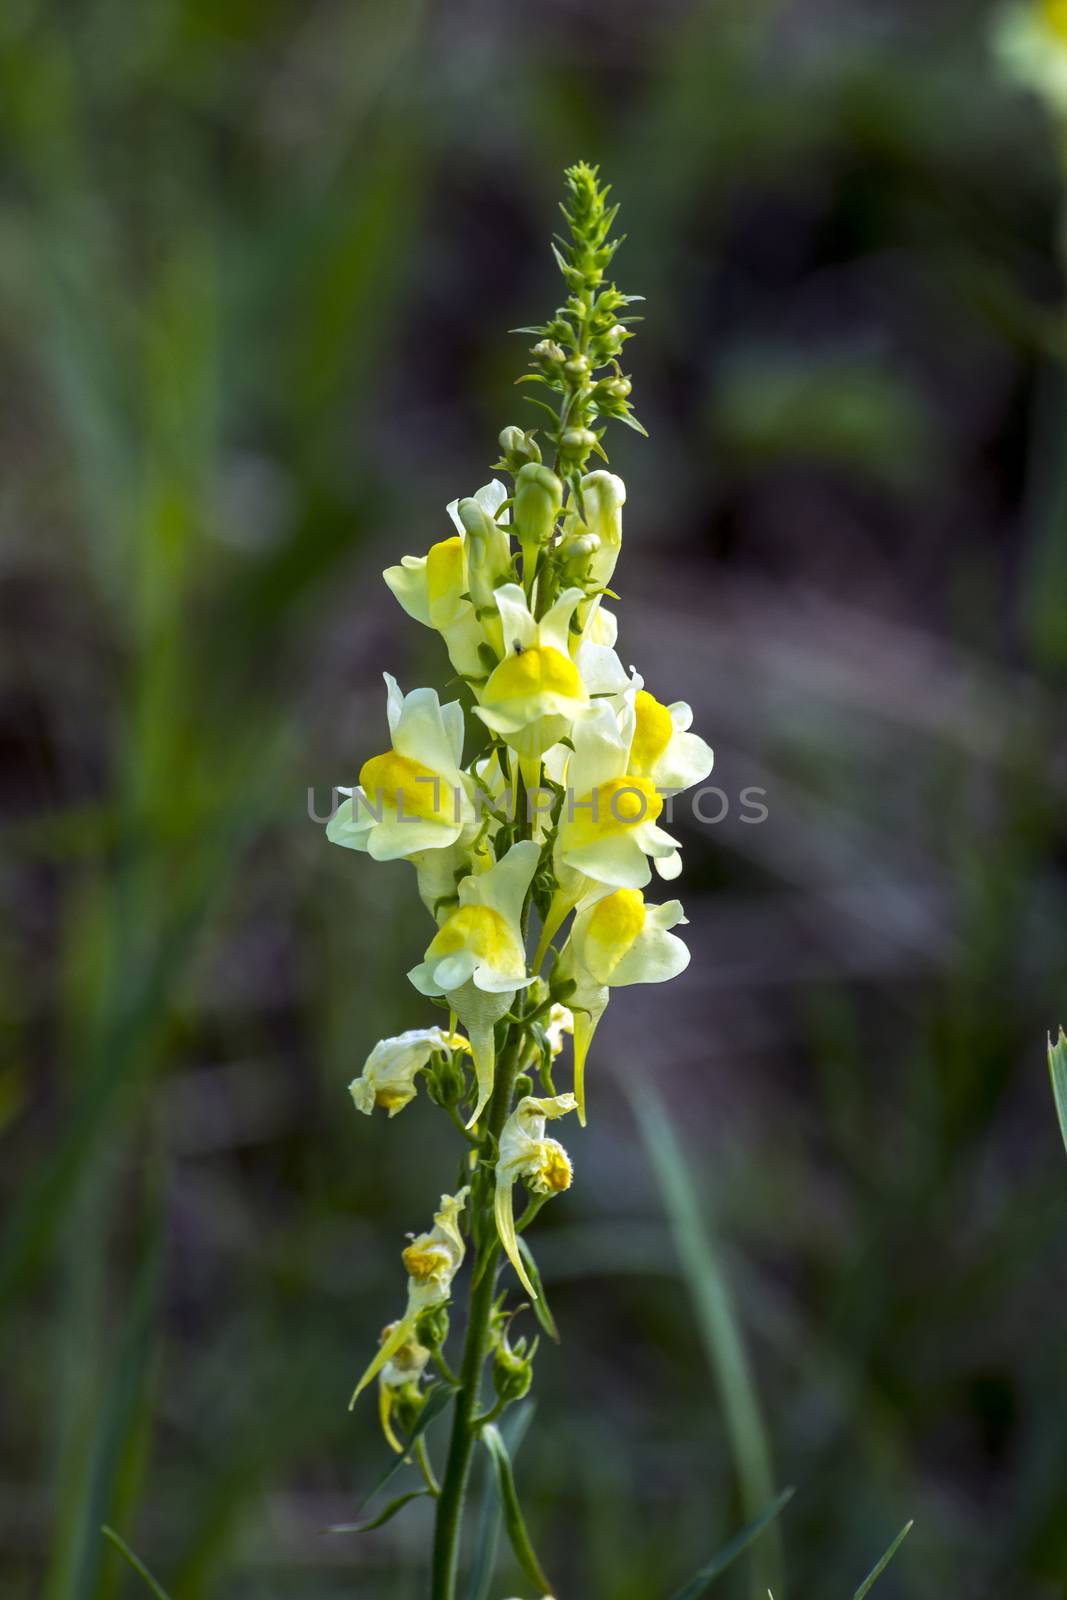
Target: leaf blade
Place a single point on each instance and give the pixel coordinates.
(1057, 1067)
(718, 1323)
(135, 1562)
(514, 1521)
(876, 1571)
(730, 1552)
(384, 1516)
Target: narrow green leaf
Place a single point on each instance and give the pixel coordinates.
(542, 406)
(720, 1330)
(730, 1552)
(512, 1511)
(487, 1534)
(383, 1517)
(541, 1309)
(135, 1562)
(876, 1572)
(1057, 1066)
(437, 1399)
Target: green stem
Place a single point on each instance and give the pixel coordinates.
(464, 1435)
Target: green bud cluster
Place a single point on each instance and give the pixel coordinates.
(577, 350)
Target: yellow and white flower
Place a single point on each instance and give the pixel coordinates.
(389, 1072)
(596, 537)
(431, 1261)
(617, 939)
(477, 958)
(663, 749)
(560, 1023)
(399, 1379)
(608, 826)
(525, 1153)
(416, 796)
(1030, 41)
(533, 696)
(436, 589)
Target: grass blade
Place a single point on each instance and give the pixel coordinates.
(730, 1552)
(135, 1562)
(720, 1331)
(876, 1572)
(512, 1511)
(1057, 1066)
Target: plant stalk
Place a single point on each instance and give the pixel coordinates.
(464, 1436)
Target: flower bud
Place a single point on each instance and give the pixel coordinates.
(550, 355)
(577, 366)
(517, 447)
(538, 498)
(578, 441)
(431, 1329)
(612, 391)
(512, 1373)
(488, 553)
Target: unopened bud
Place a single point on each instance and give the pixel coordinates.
(549, 353)
(577, 441)
(538, 498)
(517, 447)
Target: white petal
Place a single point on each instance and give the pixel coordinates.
(408, 584)
(688, 759)
(519, 626)
(654, 957)
(554, 627)
(420, 734)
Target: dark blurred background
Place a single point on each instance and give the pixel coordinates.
(257, 264)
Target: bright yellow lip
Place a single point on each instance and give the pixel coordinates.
(615, 807)
(414, 790)
(481, 930)
(652, 734)
(539, 670)
(614, 924)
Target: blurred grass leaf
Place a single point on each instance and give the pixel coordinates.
(135, 1562)
(730, 1552)
(1057, 1066)
(719, 1328)
(849, 413)
(511, 1510)
(876, 1572)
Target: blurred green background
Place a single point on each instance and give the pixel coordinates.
(257, 264)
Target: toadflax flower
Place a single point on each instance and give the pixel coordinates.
(533, 696)
(608, 828)
(525, 1153)
(441, 589)
(477, 958)
(663, 749)
(595, 538)
(431, 1261)
(389, 1072)
(616, 940)
(416, 796)
(398, 1383)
